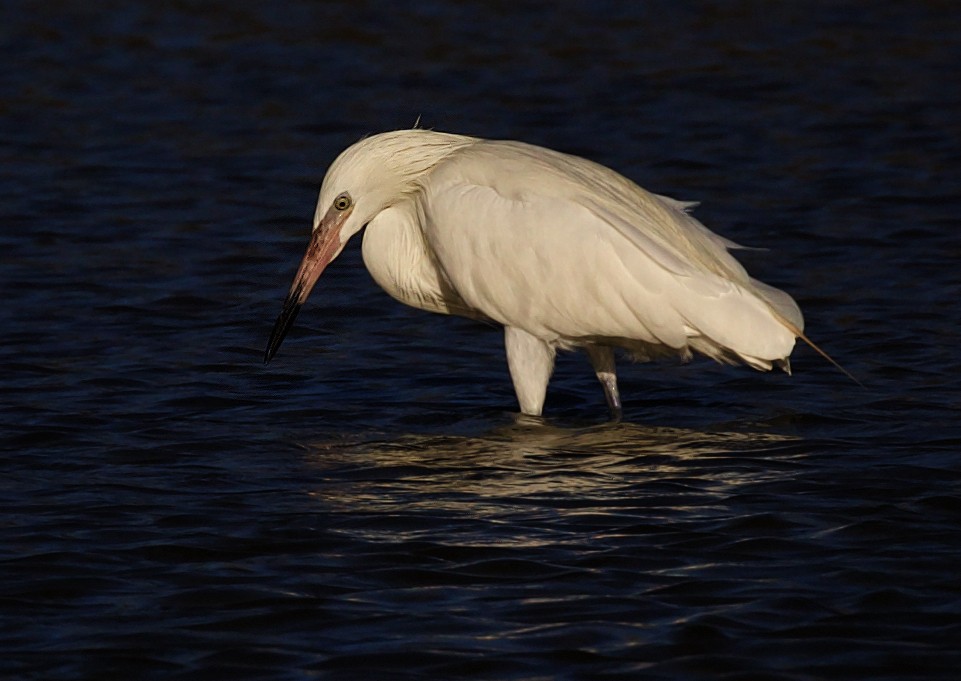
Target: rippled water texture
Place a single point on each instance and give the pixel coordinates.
(369, 506)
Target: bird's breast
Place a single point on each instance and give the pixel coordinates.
(400, 261)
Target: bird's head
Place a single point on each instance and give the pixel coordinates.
(373, 174)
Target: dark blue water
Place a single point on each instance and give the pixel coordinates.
(368, 506)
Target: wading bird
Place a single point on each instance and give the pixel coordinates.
(562, 252)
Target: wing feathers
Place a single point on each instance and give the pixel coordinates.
(535, 246)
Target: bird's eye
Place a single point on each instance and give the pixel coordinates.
(342, 202)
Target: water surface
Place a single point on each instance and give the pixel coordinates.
(369, 505)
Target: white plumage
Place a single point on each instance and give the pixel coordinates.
(561, 251)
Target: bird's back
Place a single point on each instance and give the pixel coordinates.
(572, 252)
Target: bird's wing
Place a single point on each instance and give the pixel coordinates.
(698, 250)
(644, 217)
(553, 261)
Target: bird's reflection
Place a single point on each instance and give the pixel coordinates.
(531, 459)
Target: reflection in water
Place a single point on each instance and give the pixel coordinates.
(625, 471)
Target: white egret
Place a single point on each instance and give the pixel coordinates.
(560, 251)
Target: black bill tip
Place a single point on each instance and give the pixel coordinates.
(281, 327)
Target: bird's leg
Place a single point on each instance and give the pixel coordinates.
(602, 359)
(531, 363)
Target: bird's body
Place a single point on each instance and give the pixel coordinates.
(562, 252)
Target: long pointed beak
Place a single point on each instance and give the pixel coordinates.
(324, 245)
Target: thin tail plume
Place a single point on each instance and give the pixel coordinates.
(800, 334)
(829, 358)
